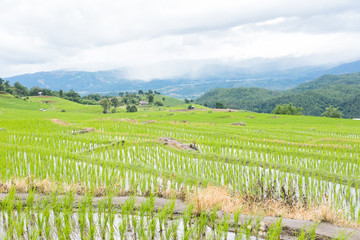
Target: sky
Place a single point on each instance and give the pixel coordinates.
(163, 38)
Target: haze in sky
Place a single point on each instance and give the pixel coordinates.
(162, 38)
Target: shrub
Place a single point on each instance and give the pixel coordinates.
(287, 109)
(332, 112)
(131, 108)
(158, 103)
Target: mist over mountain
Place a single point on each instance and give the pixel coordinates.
(191, 85)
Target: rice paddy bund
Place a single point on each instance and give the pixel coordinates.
(54, 165)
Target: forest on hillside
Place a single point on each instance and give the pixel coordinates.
(342, 91)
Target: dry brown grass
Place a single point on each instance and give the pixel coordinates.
(23, 185)
(211, 197)
(47, 186)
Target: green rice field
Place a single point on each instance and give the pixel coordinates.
(300, 161)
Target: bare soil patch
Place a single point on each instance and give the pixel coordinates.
(59, 122)
(239, 124)
(84, 130)
(172, 142)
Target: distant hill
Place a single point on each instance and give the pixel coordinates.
(351, 67)
(341, 91)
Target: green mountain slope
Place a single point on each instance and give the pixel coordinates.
(342, 91)
(237, 97)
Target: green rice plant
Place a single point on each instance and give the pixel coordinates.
(274, 231)
(122, 227)
(246, 230)
(224, 226)
(20, 222)
(134, 224)
(343, 235)
(186, 217)
(188, 233)
(237, 214)
(307, 233)
(202, 221)
(302, 235)
(213, 217)
(82, 218)
(112, 214)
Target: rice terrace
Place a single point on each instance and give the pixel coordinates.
(71, 172)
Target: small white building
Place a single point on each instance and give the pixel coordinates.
(40, 93)
(142, 103)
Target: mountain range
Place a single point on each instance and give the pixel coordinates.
(186, 86)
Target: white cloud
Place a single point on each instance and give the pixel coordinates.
(172, 37)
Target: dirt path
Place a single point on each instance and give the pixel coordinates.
(290, 226)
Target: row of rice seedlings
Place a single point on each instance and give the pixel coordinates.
(56, 218)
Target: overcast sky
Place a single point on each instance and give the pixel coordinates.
(155, 38)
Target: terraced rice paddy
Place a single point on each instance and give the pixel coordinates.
(299, 162)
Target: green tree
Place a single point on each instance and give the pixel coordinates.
(34, 91)
(21, 90)
(220, 105)
(105, 103)
(8, 88)
(95, 97)
(47, 92)
(287, 109)
(150, 98)
(61, 93)
(332, 112)
(73, 96)
(115, 102)
(2, 88)
(141, 92)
